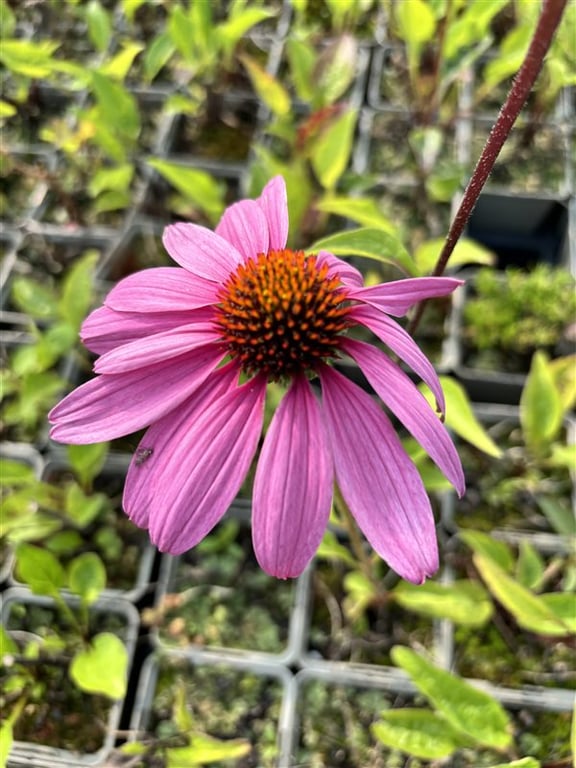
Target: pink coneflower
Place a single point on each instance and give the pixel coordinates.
(187, 352)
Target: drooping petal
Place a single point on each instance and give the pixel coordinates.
(378, 481)
(105, 329)
(274, 203)
(154, 451)
(409, 405)
(201, 455)
(348, 274)
(402, 344)
(244, 225)
(110, 406)
(397, 296)
(201, 251)
(161, 289)
(156, 348)
(293, 485)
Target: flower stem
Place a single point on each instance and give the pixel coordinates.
(548, 22)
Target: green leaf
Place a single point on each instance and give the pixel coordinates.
(559, 513)
(487, 546)
(39, 569)
(102, 667)
(78, 289)
(7, 644)
(467, 709)
(15, 473)
(117, 178)
(415, 20)
(368, 242)
(236, 26)
(460, 417)
(563, 371)
(334, 70)
(82, 508)
(529, 566)
(199, 187)
(87, 577)
(530, 611)
(117, 107)
(204, 750)
(7, 110)
(182, 32)
(6, 741)
(34, 298)
(524, 762)
(27, 58)
(87, 460)
(119, 65)
(331, 150)
(270, 90)
(362, 210)
(331, 549)
(99, 25)
(157, 55)
(417, 732)
(540, 404)
(301, 57)
(464, 602)
(561, 604)
(466, 252)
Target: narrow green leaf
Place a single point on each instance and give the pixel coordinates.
(417, 732)
(197, 186)
(87, 577)
(487, 546)
(204, 750)
(28, 58)
(467, 709)
(460, 417)
(530, 611)
(466, 252)
(540, 404)
(78, 289)
(464, 602)
(563, 606)
(301, 57)
(7, 109)
(270, 90)
(415, 20)
(524, 762)
(99, 25)
(331, 150)
(529, 566)
(119, 65)
(362, 210)
(117, 107)
(559, 513)
(102, 667)
(334, 70)
(182, 32)
(6, 741)
(368, 242)
(563, 371)
(157, 55)
(39, 569)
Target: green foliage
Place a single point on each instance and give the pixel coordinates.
(520, 311)
(102, 667)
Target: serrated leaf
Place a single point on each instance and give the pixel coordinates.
(87, 577)
(268, 88)
(367, 242)
(464, 602)
(467, 709)
(102, 667)
(417, 732)
(39, 569)
(530, 610)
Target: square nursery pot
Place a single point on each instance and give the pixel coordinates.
(70, 727)
(124, 549)
(497, 374)
(227, 699)
(215, 597)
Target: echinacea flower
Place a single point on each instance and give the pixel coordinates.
(188, 351)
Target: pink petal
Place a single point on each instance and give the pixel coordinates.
(244, 225)
(293, 485)
(409, 405)
(161, 289)
(402, 344)
(156, 348)
(274, 203)
(104, 329)
(201, 454)
(397, 296)
(378, 481)
(202, 252)
(348, 274)
(110, 406)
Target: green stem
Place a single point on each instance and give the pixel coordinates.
(358, 548)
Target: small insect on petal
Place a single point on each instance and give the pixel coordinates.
(142, 455)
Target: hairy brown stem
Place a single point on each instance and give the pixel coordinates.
(550, 17)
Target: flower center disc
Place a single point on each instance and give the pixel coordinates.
(280, 314)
